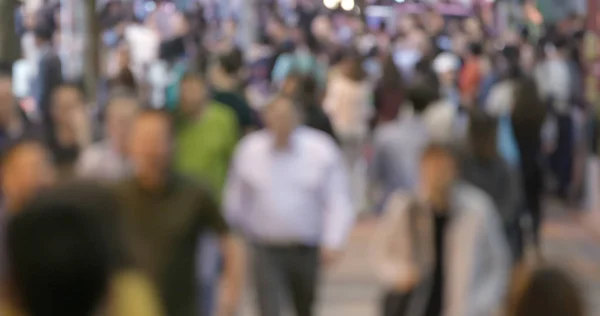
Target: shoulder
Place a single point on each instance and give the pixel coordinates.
(474, 202)
(253, 142)
(220, 111)
(317, 140)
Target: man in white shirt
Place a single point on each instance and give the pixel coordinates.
(288, 193)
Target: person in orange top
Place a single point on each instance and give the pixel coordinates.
(471, 74)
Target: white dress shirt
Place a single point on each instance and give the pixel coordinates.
(294, 196)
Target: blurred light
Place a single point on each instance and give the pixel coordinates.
(330, 4)
(400, 1)
(347, 5)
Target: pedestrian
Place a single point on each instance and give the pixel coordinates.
(389, 93)
(226, 80)
(398, 145)
(471, 74)
(71, 133)
(26, 169)
(348, 103)
(545, 291)
(49, 73)
(164, 214)
(206, 134)
(430, 243)
(107, 159)
(483, 167)
(58, 262)
(14, 123)
(528, 119)
(288, 193)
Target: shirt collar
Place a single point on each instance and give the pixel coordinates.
(292, 144)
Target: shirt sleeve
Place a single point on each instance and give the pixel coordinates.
(233, 197)
(212, 219)
(339, 211)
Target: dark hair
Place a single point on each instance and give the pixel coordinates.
(355, 70)
(545, 292)
(391, 77)
(308, 91)
(126, 79)
(192, 76)
(483, 132)
(231, 62)
(529, 110)
(421, 95)
(43, 31)
(476, 49)
(58, 258)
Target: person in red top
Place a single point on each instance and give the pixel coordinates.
(471, 74)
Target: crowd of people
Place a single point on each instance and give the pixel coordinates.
(199, 165)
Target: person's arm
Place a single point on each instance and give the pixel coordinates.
(233, 264)
(235, 188)
(339, 213)
(391, 247)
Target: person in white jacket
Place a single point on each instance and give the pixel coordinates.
(442, 250)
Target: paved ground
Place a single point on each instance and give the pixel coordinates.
(351, 290)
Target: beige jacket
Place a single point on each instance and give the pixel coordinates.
(477, 262)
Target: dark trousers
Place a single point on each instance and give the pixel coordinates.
(283, 273)
(561, 161)
(395, 304)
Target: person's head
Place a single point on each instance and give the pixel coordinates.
(446, 65)
(26, 168)
(353, 67)
(58, 260)
(7, 99)
(545, 292)
(291, 84)
(391, 77)
(475, 50)
(438, 172)
(421, 95)
(193, 93)
(43, 34)
(120, 114)
(150, 145)
(124, 79)
(282, 116)
(483, 130)
(66, 101)
(277, 29)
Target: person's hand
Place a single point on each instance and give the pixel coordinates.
(410, 280)
(330, 256)
(228, 302)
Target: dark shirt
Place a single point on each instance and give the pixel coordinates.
(64, 156)
(316, 118)
(436, 300)
(164, 228)
(239, 105)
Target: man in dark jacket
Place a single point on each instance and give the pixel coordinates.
(49, 72)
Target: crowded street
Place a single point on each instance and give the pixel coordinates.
(299, 158)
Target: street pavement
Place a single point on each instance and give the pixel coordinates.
(350, 288)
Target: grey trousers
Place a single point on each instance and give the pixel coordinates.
(282, 274)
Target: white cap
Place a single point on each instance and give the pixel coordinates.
(446, 62)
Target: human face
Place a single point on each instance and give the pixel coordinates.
(7, 101)
(119, 117)
(193, 95)
(281, 119)
(150, 145)
(25, 173)
(66, 103)
(438, 172)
